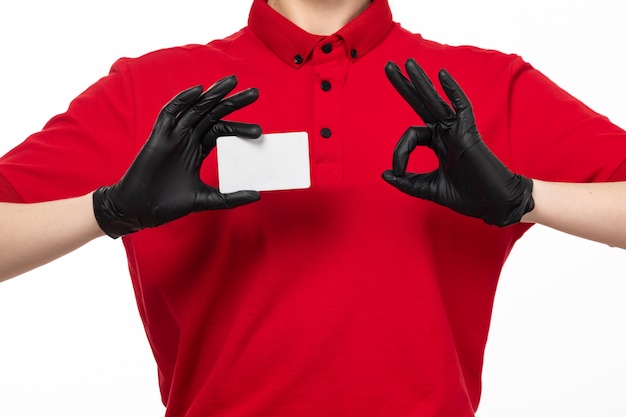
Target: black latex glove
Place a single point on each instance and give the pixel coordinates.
(163, 182)
(470, 179)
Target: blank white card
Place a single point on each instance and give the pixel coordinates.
(275, 161)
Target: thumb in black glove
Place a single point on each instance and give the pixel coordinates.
(163, 182)
(470, 179)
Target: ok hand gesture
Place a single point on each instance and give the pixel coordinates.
(470, 179)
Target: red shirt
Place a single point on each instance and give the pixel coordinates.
(345, 299)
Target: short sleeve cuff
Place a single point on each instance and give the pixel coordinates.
(618, 175)
(8, 194)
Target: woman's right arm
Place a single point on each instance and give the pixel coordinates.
(32, 235)
(162, 184)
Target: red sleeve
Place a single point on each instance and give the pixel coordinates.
(88, 146)
(555, 137)
(8, 193)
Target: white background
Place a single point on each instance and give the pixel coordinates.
(71, 343)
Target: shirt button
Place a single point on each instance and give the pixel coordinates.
(325, 132)
(327, 48)
(326, 85)
(298, 59)
(354, 53)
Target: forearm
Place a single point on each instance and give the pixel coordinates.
(34, 234)
(595, 211)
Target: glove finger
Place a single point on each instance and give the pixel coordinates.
(241, 198)
(211, 199)
(226, 128)
(207, 101)
(457, 96)
(180, 103)
(208, 116)
(425, 90)
(416, 185)
(412, 137)
(225, 107)
(234, 102)
(220, 89)
(407, 91)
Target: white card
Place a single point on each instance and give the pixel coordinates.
(275, 161)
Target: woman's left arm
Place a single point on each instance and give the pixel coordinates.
(595, 211)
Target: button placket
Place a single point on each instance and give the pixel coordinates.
(330, 65)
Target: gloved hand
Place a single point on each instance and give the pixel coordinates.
(470, 179)
(163, 182)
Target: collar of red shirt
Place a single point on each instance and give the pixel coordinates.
(294, 46)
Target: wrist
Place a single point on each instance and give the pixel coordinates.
(111, 220)
(533, 215)
(511, 207)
